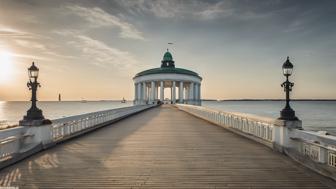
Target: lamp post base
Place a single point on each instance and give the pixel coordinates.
(34, 122)
(34, 117)
(288, 114)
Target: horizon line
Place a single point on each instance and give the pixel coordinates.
(207, 99)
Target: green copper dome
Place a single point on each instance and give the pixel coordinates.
(167, 67)
(167, 56)
(168, 70)
(167, 61)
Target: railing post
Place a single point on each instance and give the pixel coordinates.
(281, 134)
(41, 134)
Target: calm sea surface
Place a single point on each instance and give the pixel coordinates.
(316, 115)
(12, 112)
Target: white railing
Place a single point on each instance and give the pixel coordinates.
(317, 146)
(8, 147)
(22, 139)
(252, 125)
(314, 149)
(332, 159)
(71, 125)
(10, 141)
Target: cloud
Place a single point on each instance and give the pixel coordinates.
(13, 33)
(38, 48)
(202, 10)
(174, 8)
(100, 53)
(221, 9)
(99, 18)
(30, 44)
(163, 9)
(30, 56)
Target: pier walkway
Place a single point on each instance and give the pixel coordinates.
(160, 148)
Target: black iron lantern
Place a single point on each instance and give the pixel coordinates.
(287, 113)
(33, 72)
(287, 68)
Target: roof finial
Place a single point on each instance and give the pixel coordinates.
(287, 57)
(169, 44)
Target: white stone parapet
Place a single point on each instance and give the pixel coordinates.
(315, 150)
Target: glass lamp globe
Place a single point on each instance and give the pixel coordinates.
(287, 68)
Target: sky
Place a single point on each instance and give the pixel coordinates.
(92, 49)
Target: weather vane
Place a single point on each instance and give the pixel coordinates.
(169, 44)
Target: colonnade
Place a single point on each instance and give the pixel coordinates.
(150, 92)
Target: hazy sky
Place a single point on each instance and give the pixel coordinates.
(92, 49)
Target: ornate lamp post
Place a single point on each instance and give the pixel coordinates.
(287, 113)
(34, 115)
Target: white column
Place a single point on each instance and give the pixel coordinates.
(174, 92)
(139, 92)
(191, 93)
(135, 92)
(171, 94)
(186, 93)
(199, 94)
(196, 91)
(181, 92)
(148, 93)
(161, 91)
(144, 92)
(152, 91)
(156, 91)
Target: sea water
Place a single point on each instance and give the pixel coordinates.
(12, 112)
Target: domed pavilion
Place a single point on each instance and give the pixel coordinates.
(185, 85)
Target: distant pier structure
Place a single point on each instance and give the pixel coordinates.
(184, 85)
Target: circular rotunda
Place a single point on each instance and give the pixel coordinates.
(184, 85)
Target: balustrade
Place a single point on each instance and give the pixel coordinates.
(312, 145)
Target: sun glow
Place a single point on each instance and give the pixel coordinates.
(6, 66)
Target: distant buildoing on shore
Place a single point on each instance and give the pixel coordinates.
(147, 84)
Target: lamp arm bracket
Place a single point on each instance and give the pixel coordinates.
(283, 84)
(29, 85)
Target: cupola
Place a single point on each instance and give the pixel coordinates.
(167, 61)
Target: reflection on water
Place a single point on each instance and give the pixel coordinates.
(315, 115)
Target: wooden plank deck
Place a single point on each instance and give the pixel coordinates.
(160, 148)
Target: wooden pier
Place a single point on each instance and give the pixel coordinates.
(160, 148)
